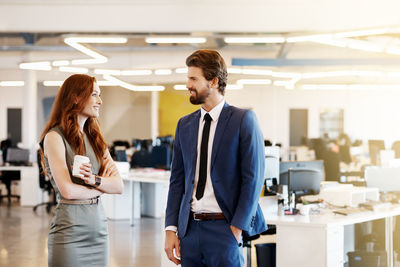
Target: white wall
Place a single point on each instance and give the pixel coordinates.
(367, 114)
(194, 16)
(125, 114)
(10, 97)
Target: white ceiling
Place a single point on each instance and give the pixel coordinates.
(212, 19)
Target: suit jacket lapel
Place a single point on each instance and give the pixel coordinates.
(193, 132)
(219, 132)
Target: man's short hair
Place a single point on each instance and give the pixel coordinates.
(212, 64)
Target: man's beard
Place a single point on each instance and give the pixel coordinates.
(198, 99)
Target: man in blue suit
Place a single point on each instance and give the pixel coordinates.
(216, 175)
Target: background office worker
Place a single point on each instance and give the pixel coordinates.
(78, 233)
(216, 175)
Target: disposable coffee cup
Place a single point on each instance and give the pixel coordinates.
(78, 161)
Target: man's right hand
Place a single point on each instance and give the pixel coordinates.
(171, 243)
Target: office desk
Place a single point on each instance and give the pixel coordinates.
(31, 194)
(158, 199)
(318, 240)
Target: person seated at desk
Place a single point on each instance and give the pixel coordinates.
(4, 145)
(331, 162)
(344, 148)
(6, 177)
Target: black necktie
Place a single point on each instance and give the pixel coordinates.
(203, 158)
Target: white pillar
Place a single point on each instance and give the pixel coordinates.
(154, 114)
(29, 110)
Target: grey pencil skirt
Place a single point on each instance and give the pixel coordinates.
(78, 236)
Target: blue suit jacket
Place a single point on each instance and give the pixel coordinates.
(237, 170)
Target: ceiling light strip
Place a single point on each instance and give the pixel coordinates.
(12, 83)
(59, 83)
(131, 86)
(73, 69)
(175, 40)
(40, 65)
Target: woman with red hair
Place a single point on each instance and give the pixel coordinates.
(78, 233)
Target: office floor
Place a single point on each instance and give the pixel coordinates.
(23, 239)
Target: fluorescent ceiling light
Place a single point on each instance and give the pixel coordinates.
(119, 82)
(228, 87)
(175, 40)
(393, 74)
(12, 83)
(360, 33)
(96, 57)
(234, 86)
(59, 83)
(73, 69)
(255, 39)
(136, 72)
(393, 50)
(307, 38)
(96, 39)
(181, 70)
(282, 83)
(180, 87)
(311, 75)
(163, 72)
(254, 81)
(285, 74)
(309, 87)
(332, 87)
(107, 71)
(52, 83)
(106, 83)
(131, 86)
(324, 87)
(43, 65)
(89, 61)
(332, 42)
(150, 88)
(234, 70)
(58, 63)
(366, 73)
(363, 45)
(357, 87)
(256, 72)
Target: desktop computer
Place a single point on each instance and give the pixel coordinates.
(18, 157)
(367, 258)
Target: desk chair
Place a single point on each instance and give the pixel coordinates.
(396, 148)
(6, 178)
(247, 240)
(161, 157)
(46, 186)
(141, 159)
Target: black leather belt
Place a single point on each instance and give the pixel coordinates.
(207, 216)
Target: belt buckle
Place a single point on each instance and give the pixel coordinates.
(94, 200)
(194, 217)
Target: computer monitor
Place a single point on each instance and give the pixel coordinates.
(305, 176)
(120, 155)
(17, 156)
(272, 155)
(386, 179)
(374, 147)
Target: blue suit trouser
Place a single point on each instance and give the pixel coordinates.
(210, 243)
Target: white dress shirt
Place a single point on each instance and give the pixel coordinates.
(208, 203)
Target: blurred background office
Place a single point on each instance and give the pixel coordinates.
(322, 76)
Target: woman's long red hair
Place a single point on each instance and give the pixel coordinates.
(70, 101)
